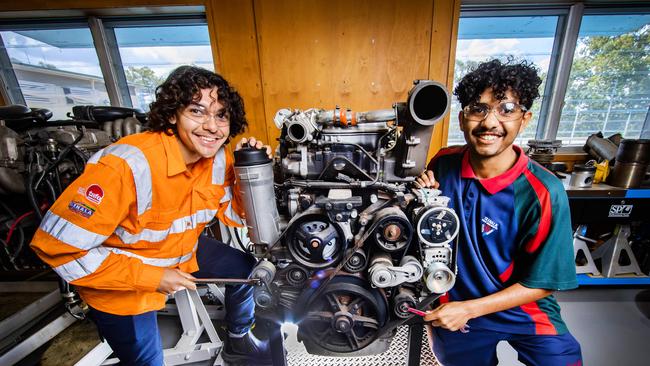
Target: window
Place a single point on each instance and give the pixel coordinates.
(119, 60)
(56, 68)
(594, 62)
(487, 37)
(609, 84)
(149, 53)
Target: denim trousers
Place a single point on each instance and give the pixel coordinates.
(135, 339)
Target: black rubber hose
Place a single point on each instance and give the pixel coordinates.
(31, 194)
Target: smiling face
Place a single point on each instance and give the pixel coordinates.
(491, 138)
(202, 127)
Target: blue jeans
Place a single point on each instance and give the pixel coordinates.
(217, 259)
(478, 348)
(135, 339)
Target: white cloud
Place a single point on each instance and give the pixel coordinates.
(480, 49)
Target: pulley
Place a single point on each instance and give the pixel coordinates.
(346, 317)
(357, 262)
(393, 230)
(437, 225)
(315, 242)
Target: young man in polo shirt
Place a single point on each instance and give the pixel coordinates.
(515, 245)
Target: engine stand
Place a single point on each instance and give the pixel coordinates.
(194, 319)
(416, 330)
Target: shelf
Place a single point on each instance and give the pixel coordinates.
(603, 190)
(588, 280)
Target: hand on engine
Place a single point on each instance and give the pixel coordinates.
(426, 180)
(452, 316)
(253, 142)
(175, 280)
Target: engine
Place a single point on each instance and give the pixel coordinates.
(347, 241)
(39, 158)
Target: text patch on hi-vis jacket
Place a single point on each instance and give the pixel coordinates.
(81, 209)
(94, 193)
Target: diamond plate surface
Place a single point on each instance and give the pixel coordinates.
(395, 356)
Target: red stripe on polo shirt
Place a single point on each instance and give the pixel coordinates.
(543, 325)
(505, 276)
(544, 198)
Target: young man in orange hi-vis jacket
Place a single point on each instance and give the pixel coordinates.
(126, 231)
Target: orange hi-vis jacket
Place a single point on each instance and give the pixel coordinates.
(135, 210)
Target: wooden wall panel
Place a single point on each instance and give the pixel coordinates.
(232, 26)
(446, 15)
(358, 54)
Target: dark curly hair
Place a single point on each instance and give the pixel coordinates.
(521, 78)
(182, 87)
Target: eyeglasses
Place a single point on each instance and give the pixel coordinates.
(198, 114)
(505, 111)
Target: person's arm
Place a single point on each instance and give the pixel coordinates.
(454, 315)
(546, 261)
(72, 232)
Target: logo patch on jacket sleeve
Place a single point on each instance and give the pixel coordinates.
(81, 209)
(94, 193)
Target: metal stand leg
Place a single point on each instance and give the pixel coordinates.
(276, 342)
(580, 244)
(194, 319)
(415, 344)
(611, 251)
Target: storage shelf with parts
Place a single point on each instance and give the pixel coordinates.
(604, 204)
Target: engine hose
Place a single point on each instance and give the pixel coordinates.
(15, 226)
(59, 158)
(57, 181)
(31, 194)
(53, 195)
(239, 241)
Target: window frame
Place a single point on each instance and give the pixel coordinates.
(566, 37)
(102, 29)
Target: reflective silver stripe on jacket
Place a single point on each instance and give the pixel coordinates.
(227, 196)
(232, 214)
(158, 262)
(69, 233)
(219, 167)
(139, 168)
(81, 267)
(178, 226)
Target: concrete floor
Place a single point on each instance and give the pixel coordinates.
(611, 324)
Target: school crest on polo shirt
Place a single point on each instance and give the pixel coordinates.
(489, 226)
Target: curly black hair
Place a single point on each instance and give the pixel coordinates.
(182, 87)
(521, 78)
